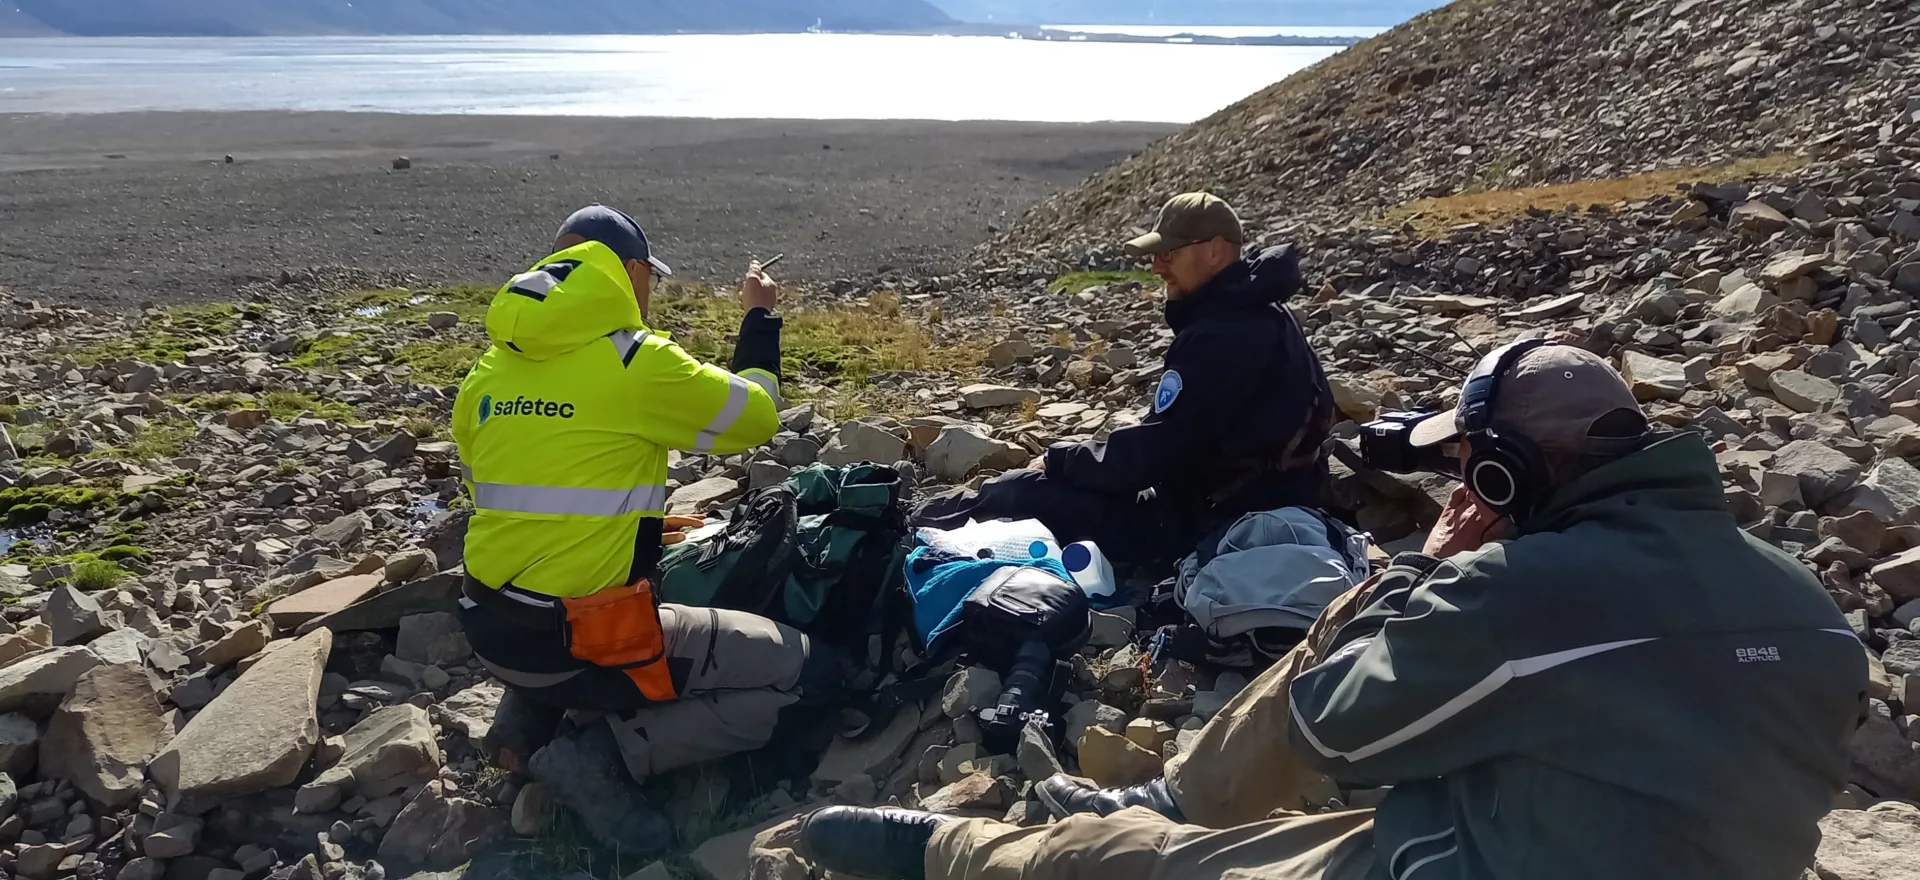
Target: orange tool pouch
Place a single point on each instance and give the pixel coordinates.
(620, 629)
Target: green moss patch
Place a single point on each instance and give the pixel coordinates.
(166, 337)
(28, 505)
(283, 405)
(289, 405)
(325, 352)
(160, 440)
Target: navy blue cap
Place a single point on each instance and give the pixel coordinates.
(614, 229)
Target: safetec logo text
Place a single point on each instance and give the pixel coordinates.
(522, 406)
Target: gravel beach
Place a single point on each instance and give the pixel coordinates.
(121, 209)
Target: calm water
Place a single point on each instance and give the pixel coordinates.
(796, 76)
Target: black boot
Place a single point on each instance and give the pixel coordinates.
(884, 844)
(1065, 795)
(588, 775)
(521, 726)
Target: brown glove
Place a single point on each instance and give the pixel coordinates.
(675, 529)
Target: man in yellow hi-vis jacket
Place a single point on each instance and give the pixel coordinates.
(564, 427)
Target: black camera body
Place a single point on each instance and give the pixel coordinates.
(1386, 444)
(1020, 622)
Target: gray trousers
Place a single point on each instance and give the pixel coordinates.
(736, 674)
(744, 671)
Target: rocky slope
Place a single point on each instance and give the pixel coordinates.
(1505, 93)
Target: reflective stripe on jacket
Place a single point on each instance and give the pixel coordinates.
(565, 423)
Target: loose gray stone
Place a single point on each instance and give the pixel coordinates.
(1824, 473)
(43, 679)
(75, 617)
(859, 441)
(1803, 392)
(104, 735)
(392, 749)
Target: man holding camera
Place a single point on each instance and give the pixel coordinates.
(1238, 418)
(1626, 685)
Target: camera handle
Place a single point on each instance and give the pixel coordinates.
(1028, 678)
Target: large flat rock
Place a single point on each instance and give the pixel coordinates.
(386, 610)
(257, 734)
(322, 599)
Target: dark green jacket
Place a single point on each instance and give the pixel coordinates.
(1633, 688)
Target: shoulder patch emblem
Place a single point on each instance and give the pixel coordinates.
(1170, 386)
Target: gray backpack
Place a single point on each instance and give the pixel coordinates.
(1271, 569)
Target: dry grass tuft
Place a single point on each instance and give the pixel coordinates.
(839, 344)
(1432, 218)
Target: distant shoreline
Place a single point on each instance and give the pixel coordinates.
(170, 221)
(1026, 32)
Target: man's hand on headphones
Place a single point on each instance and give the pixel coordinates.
(1465, 524)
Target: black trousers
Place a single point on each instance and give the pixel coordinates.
(1137, 530)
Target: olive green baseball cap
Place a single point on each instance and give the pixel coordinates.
(1189, 219)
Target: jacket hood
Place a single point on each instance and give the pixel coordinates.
(1273, 276)
(1674, 472)
(570, 299)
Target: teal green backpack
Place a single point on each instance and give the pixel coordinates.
(822, 552)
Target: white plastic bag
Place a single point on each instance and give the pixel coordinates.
(995, 539)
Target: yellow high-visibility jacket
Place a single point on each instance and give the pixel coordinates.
(565, 423)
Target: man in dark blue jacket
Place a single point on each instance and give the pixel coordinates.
(1238, 419)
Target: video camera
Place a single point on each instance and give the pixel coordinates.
(1387, 444)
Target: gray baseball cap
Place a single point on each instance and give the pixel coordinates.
(1189, 219)
(1563, 398)
(619, 232)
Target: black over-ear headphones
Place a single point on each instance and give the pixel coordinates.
(1506, 471)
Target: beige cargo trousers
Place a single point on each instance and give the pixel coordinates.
(1240, 772)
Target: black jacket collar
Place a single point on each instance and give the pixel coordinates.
(1272, 277)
